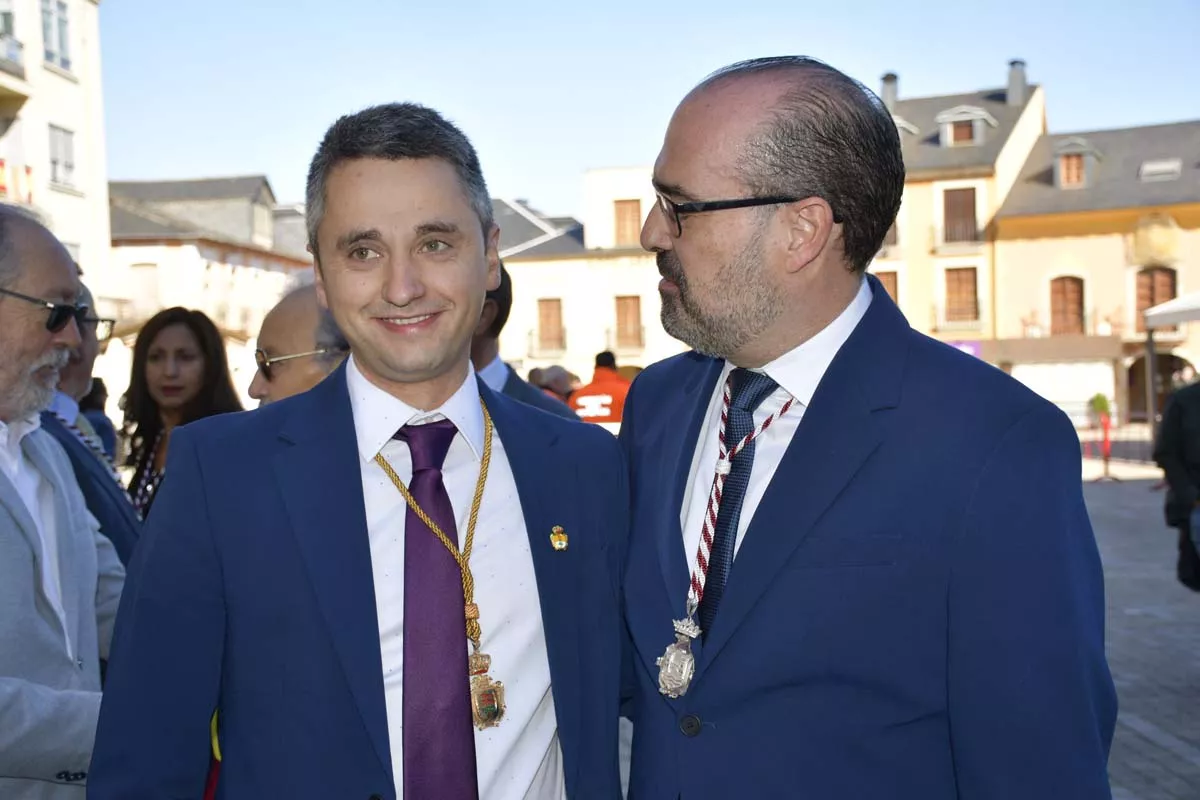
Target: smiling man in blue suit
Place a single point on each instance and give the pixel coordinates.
(399, 583)
(860, 562)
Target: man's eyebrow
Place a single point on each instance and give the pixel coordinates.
(673, 190)
(437, 226)
(356, 236)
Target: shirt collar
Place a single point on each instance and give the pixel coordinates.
(378, 415)
(800, 370)
(495, 374)
(64, 406)
(13, 433)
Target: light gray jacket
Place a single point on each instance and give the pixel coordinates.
(49, 701)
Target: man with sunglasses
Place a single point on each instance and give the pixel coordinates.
(60, 579)
(860, 563)
(94, 468)
(298, 346)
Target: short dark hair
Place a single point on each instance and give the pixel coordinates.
(829, 137)
(606, 358)
(394, 131)
(502, 296)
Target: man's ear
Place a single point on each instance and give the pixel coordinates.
(810, 226)
(486, 317)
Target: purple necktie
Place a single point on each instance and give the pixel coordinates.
(439, 743)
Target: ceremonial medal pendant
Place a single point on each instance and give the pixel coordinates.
(487, 695)
(677, 665)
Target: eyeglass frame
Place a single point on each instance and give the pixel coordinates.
(672, 211)
(265, 362)
(98, 321)
(67, 311)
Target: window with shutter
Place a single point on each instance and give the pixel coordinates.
(550, 325)
(1154, 285)
(958, 207)
(1066, 306)
(628, 222)
(962, 299)
(891, 283)
(629, 322)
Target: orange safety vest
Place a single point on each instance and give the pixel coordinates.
(602, 400)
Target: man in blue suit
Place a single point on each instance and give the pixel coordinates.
(94, 470)
(485, 353)
(860, 562)
(381, 597)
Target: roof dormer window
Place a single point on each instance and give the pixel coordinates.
(964, 125)
(1161, 169)
(1074, 162)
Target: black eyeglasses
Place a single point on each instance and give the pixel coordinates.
(265, 362)
(104, 327)
(61, 314)
(674, 211)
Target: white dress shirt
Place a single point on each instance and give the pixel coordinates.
(495, 374)
(797, 372)
(38, 496)
(520, 759)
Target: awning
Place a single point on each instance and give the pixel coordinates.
(1173, 312)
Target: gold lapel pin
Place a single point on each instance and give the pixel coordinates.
(558, 539)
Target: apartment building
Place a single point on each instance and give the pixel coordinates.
(52, 151)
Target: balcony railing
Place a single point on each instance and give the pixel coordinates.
(547, 343)
(963, 315)
(957, 236)
(12, 56)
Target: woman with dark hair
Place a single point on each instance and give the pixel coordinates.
(180, 374)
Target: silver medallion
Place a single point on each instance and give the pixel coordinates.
(676, 666)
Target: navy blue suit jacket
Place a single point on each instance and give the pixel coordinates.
(108, 502)
(916, 611)
(519, 389)
(252, 591)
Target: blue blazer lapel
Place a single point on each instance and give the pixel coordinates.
(320, 480)
(838, 433)
(541, 476)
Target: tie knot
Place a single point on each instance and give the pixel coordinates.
(428, 443)
(748, 389)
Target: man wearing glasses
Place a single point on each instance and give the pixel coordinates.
(298, 346)
(860, 563)
(94, 468)
(60, 579)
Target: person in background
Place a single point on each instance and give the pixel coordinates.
(298, 346)
(602, 400)
(860, 564)
(1177, 452)
(92, 465)
(485, 353)
(556, 382)
(92, 405)
(60, 579)
(180, 374)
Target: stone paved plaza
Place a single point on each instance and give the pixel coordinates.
(1153, 646)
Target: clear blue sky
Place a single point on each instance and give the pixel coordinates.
(547, 90)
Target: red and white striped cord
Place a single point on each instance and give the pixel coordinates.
(724, 465)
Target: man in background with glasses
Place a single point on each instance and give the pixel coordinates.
(298, 346)
(60, 579)
(94, 468)
(860, 563)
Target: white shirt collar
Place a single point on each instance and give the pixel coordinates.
(495, 374)
(378, 415)
(64, 406)
(13, 433)
(800, 370)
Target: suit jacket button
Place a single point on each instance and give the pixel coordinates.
(690, 725)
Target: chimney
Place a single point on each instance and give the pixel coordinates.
(889, 90)
(1017, 87)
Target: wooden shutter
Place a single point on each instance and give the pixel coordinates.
(629, 322)
(628, 222)
(958, 207)
(962, 301)
(1066, 306)
(963, 132)
(891, 283)
(550, 327)
(1070, 169)
(1154, 285)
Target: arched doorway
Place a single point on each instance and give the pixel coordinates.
(1170, 372)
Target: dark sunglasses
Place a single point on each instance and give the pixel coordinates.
(265, 362)
(104, 327)
(60, 313)
(674, 211)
